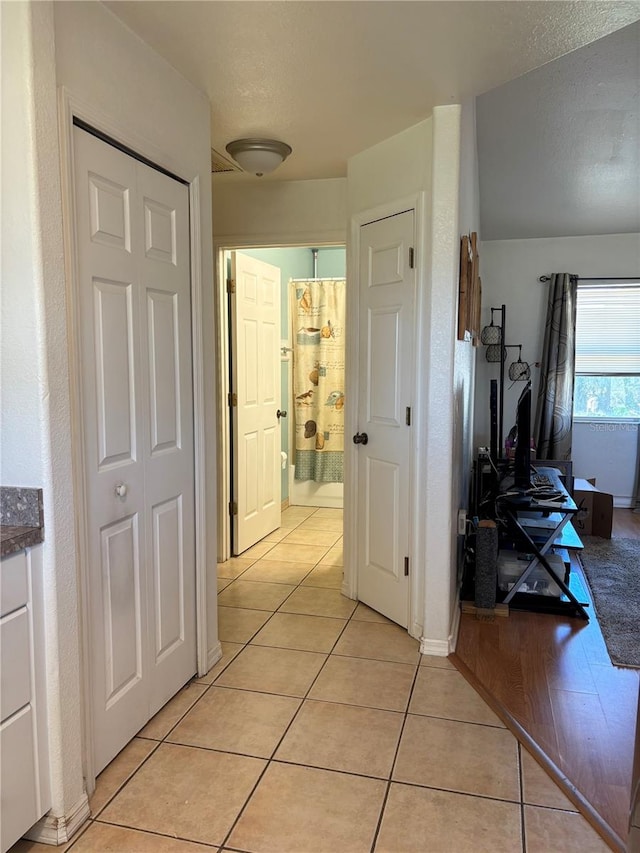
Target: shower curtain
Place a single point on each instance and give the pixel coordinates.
(318, 315)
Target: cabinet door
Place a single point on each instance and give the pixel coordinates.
(14, 589)
(15, 662)
(18, 777)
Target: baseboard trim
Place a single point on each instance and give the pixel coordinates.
(622, 502)
(415, 630)
(443, 648)
(455, 627)
(284, 505)
(345, 589)
(438, 648)
(55, 830)
(213, 656)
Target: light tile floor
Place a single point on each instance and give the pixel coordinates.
(322, 729)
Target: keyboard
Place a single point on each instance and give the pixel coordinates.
(541, 480)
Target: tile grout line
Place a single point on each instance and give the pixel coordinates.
(302, 700)
(278, 610)
(128, 778)
(155, 832)
(306, 698)
(523, 834)
(393, 763)
(284, 734)
(193, 680)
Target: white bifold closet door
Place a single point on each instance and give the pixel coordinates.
(132, 232)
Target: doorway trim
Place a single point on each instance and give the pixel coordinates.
(418, 484)
(70, 107)
(221, 245)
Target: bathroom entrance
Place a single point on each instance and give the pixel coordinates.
(310, 393)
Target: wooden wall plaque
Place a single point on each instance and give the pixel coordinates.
(469, 290)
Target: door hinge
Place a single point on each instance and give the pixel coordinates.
(233, 508)
(232, 398)
(408, 416)
(231, 285)
(406, 566)
(411, 258)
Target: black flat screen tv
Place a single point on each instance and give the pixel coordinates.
(522, 459)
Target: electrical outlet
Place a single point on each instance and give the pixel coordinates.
(462, 522)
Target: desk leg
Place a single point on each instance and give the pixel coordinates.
(540, 558)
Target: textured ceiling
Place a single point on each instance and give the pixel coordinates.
(333, 78)
(559, 148)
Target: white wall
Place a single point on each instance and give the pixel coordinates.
(394, 169)
(279, 213)
(424, 161)
(607, 452)
(167, 119)
(20, 341)
(465, 352)
(100, 62)
(443, 478)
(510, 272)
(35, 439)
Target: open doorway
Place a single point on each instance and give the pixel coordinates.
(310, 414)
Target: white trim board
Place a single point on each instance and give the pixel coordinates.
(221, 245)
(58, 830)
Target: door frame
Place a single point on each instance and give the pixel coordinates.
(221, 245)
(418, 476)
(70, 107)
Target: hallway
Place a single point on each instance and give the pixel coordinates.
(323, 729)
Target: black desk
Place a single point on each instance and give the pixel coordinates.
(537, 527)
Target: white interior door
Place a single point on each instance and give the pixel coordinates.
(255, 380)
(386, 365)
(132, 231)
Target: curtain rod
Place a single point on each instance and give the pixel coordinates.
(597, 278)
(322, 278)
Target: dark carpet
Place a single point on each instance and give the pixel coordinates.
(612, 568)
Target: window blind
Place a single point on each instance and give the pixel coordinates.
(608, 330)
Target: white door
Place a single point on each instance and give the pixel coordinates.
(132, 231)
(255, 382)
(386, 365)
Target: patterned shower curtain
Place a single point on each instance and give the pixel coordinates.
(554, 413)
(318, 328)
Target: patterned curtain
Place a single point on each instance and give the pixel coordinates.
(318, 315)
(554, 413)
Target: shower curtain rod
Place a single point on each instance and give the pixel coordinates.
(321, 278)
(596, 278)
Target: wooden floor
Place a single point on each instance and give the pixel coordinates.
(551, 680)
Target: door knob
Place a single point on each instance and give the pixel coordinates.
(280, 414)
(360, 438)
(121, 490)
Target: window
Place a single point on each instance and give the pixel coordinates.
(607, 372)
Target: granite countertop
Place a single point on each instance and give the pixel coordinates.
(21, 519)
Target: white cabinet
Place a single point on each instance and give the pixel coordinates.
(24, 786)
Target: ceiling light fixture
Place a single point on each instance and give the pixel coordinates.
(259, 156)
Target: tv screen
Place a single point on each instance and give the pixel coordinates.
(522, 459)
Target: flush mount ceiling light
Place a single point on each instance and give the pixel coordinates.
(259, 156)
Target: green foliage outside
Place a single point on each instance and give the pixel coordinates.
(606, 397)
